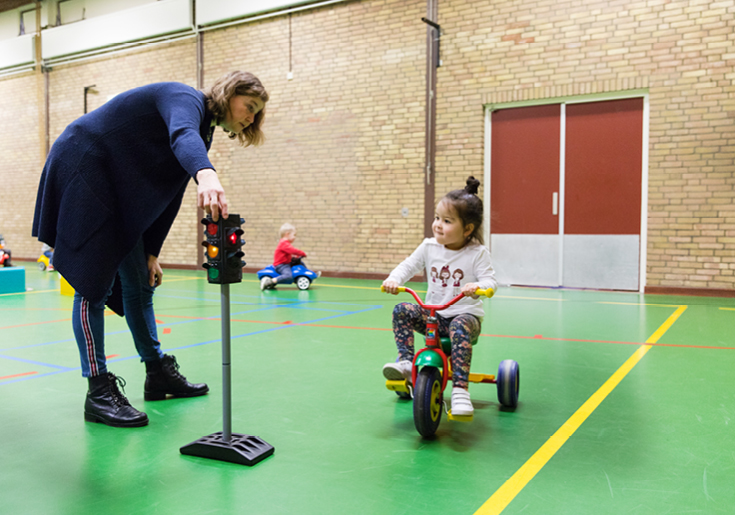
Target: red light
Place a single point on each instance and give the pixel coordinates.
(233, 238)
(212, 229)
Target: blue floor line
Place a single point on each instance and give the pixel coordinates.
(285, 326)
(114, 360)
(39, 363)
(169, 324)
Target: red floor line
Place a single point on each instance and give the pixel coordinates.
(610, 341)
(46, 322)
(288, 322)
(18, 375)
(35, 323)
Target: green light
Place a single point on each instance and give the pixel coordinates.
(213, 273)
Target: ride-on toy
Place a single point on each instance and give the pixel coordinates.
(302, 276)
(431, 371)
(5, 254)
(44, 260)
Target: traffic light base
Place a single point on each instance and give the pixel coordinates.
(242, 449)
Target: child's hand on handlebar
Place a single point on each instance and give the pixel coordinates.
(469, 289)
(391, 287)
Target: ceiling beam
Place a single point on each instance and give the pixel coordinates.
(8, 5)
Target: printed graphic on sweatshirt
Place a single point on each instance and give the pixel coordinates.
(445, 276)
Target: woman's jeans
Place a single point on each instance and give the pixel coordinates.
(88, 319)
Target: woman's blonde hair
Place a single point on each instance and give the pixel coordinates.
(218, 97)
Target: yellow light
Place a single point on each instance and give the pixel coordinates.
(212, 251)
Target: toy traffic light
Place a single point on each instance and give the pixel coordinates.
(223, 249)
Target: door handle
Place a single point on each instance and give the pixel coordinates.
(555, 203)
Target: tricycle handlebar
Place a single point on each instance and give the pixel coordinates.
(489, 292)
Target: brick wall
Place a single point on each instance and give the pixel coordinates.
(20, 153)
(345, 137)
(344, 150)
(682, 52)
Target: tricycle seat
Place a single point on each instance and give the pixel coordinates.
(446, 343)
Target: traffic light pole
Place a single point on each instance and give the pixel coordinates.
(226, 371)
(226, 445)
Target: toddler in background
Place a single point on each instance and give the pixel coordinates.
(48, 251)
(284, 254)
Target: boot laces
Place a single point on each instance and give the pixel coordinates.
(117, 395)
(173, 367)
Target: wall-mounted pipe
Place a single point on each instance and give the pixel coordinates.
(430, 129)
(269, 15)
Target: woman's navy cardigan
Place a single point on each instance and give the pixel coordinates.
(116, 175)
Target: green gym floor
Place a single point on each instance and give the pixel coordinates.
(625, 407)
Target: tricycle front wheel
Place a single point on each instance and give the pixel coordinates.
(428, 401)
(302, 283)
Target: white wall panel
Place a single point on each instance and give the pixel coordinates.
(16, 51)
(213, 11)
(526, 259)
(607, 261)
(149, 20)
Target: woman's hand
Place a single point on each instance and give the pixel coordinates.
(391, 286)
(155, 272)
(469, 289)
(210, 194)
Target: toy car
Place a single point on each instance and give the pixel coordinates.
(302, 276)
(43, 262)
(5, 254)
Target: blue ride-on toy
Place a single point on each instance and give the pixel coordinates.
(302, 276)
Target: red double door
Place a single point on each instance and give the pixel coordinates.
(565, 194)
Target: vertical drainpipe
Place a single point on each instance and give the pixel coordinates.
(41, 91)
(200, 85)
(432, 12)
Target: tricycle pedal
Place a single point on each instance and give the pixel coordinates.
(459, 418)
(398, 386)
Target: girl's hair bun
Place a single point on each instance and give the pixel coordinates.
(472, 185)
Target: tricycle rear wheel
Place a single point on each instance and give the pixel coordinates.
(508, 383)
(428, 401)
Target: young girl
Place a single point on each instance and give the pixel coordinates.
(456, 247)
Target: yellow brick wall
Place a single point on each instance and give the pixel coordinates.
(344, 149)
(20, 154)
(682, 52)
(345, 137)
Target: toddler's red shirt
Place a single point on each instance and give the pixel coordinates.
(284, 251)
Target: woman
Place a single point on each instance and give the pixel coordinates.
(109, 193)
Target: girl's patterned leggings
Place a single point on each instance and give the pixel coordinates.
(462, 329)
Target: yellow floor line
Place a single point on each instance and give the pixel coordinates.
(512, 487)
(638, 304)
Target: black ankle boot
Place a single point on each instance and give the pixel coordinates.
(107, 404)
(163, 378)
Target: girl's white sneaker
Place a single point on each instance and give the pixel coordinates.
(461, 403)
(395, 371)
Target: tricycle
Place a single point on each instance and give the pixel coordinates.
(431, 370)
